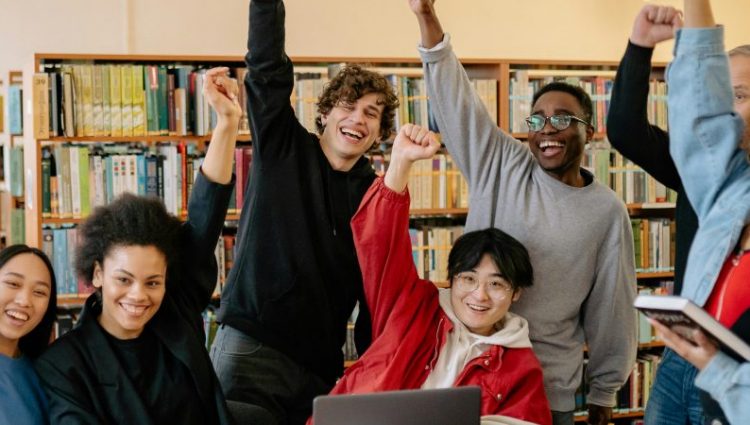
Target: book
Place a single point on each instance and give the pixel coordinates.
(683, 316)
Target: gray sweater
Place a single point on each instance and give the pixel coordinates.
(579, 239)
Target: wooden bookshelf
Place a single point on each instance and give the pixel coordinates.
(499, 70)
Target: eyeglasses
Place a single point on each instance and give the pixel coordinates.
(537, 122)
(469, 282)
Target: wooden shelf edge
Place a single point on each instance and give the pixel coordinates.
(635, 414)
(135, 139)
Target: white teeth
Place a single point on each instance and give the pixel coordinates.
(352, 133)
(133, 309)
(477, 308)
(17, 315)
(550, 143)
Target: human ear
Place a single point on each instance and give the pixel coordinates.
(98, 276)
(517, 294)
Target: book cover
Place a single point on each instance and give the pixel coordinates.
(683, 316)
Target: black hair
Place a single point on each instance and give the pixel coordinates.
(129, 220)
(35, 342)
(577, 92)
(508, 254)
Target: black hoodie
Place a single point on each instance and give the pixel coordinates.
(295, 277)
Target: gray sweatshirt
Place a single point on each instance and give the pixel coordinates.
(579, 239)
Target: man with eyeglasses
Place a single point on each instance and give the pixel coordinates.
(577, 232)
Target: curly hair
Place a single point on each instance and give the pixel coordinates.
(350, 84)
(33, 343)
(129, 220)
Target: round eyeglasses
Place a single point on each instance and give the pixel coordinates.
(469, 282)
(560, 122)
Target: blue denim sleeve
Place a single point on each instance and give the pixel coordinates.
(704, 129)
(728, 382)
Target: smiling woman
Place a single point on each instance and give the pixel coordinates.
(27, 302)
(137, 354)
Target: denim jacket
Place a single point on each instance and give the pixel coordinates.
(705, 135)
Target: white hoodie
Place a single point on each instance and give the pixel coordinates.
(462, 346)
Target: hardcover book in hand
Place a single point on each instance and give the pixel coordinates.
(683, 316)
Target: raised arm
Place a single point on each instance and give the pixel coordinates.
(628, 128)
(381, 228)
(705, 130)
(473, 139)
(209, 199)
(269, 82)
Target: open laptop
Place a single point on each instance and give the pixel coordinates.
(447, 406)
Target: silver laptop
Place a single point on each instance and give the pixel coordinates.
(448, 406)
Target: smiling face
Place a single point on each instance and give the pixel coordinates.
(132, 282)
(559, 152)
(481, 309)
(25, 288)
(350, 130)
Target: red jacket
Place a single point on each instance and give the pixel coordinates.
(409, 327)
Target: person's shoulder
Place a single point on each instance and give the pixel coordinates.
(68, 347)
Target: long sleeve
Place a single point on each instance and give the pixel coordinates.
(728, 382)
(609, 319)
(269, 83)
(705, 134)
(480, 149)
(705, 129)
(628, 128)
(66, 405)
(198, 237)
(381, 238)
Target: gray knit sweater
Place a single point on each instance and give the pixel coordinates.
(579, 239)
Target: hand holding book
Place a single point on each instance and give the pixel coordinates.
(698, 350)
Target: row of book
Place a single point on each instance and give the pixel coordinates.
(437, 184)
(524, 83)
(654, 244)
(431, 245)
(634, 395)
(411, 91)
(630, 182)
(77, 178)
(75, 100)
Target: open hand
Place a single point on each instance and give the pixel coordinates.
(221, 92)
(655, 24)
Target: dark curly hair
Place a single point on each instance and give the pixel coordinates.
(508, 254)
(33, 343)
(350, 84)
(577, 92)
(129, 220)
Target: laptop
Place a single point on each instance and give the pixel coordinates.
(445, 406)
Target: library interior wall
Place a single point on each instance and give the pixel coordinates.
(590, 30)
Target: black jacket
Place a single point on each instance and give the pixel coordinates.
(81, 373)
(295, 277)
(647, 145)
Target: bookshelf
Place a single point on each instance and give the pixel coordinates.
(505, 86)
